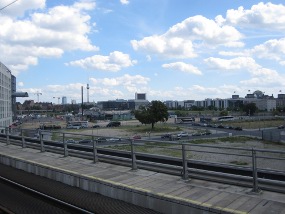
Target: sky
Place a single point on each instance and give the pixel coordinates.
(168, 49)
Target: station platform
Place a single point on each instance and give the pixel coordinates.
(160, 192)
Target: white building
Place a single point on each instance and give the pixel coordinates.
(5, 96)
(263, 104)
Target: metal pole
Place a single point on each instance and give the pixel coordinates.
(185, 175)
(95, 154)
(23, 139)
(81, 102)
(255, 188)
(7, 136)
(64, 145)
(42, 141)
(134, 164)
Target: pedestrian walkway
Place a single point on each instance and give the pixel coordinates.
(160, 192)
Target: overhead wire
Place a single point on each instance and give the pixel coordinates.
(8, 5)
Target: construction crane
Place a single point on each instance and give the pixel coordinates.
(38, 95)
(58, 98)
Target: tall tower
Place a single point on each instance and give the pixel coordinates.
(87, 93)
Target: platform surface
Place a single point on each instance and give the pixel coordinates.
(223, 197)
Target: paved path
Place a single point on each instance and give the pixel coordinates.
(209, 197)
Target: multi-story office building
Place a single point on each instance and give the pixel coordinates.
(5, 96)
(280, 101)
(64, 100)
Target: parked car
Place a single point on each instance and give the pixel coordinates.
(281, 127)
(85, 141)
(113, 139)
(95, 126)
(238, 128)
(136, 137)
(182, 134)
(101, 140)
(206, 133)
(114, 124)
(71, 141)
(70, 126)
(166, 136)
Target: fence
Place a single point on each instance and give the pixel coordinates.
(190, 160)
(271, 135)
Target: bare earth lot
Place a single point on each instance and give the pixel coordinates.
(202, 155)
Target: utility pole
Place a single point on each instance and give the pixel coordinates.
(82, 102)
(38, 95)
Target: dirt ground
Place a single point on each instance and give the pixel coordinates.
(102, 131)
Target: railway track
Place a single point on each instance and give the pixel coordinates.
(23, 192)
(22, 199)
(271, 180)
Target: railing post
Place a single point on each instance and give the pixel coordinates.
(64, 145)
(23, 139)
(185, 175)
(7, 135)
(95, 154)
(42, 141)
(255, 188)
(134, 163)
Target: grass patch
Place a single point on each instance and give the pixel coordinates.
(255, 124)
(152, 148)
(237, 139)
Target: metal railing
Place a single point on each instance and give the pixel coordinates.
(185, 154)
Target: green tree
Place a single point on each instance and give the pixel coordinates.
(250, 108)
(224, 113)
(156, 111)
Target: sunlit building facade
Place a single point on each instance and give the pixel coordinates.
(5, 96)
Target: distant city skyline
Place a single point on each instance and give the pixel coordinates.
(168, 49)
(139, 96)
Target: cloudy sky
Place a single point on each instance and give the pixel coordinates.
(169, 49)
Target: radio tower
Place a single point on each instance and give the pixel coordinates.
(87, 93)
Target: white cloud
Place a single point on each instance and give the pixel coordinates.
(148, 58)
(230, 64)
(168, 47)
(114, 62)
(261, 16)
(271, 49)
(260, 76)
(125, 80)
(181, 66)
(106, 88)
(43, 34)
(21, 84)
(179, 41)
(124, 1)
(231, 53)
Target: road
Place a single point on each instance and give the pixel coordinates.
(223, 132)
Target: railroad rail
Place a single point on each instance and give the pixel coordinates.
(35, 194)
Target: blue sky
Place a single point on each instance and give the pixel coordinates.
(169, 49)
